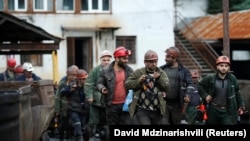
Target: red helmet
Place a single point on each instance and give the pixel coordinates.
(121, 51)
(173, 51)
(18, 69)
(223, 59)
(150, 55)
(11, 62)
(81, 73)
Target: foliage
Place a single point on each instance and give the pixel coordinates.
(216, 6)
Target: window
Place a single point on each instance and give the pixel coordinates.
(65, 5)
(34, 59)
(130, 43)
(17, 5)
(43, 5)
(95, 5)
(241, 55)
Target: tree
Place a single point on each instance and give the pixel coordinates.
(216, 6)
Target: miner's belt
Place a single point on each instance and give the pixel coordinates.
(218, 106)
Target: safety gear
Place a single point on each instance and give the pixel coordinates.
(223, 59)
(28, 66)
(105, 53)
(173, 51)
(121, 51)
(82, 74)
(150, 55)
(11, 62)
(195, 73)
(18, 69)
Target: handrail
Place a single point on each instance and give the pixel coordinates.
(208, 49)
(198, 64)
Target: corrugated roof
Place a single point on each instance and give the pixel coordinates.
(211, 27)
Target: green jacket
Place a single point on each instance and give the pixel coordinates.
(90, 85)
(234, 98)
(61, 103)
(133, 83)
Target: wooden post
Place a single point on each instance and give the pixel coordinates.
(226, 38)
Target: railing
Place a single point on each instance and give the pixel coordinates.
(204, 49)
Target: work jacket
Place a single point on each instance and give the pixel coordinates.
(234, 98)
(133, 82)
(107, 79)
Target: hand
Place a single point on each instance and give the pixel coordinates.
(208, 98)
(186, 99)
(90, 100)
(104, 90)
(156, 75)
(241, 110)
(142, 78)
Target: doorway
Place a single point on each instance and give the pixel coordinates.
(79, 52)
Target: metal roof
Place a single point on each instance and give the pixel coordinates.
(13, 29)
(211, 27)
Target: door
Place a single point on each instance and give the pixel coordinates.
(79, 52)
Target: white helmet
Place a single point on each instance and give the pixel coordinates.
(105, 53)
(28, 66)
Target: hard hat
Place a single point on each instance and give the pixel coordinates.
(121, 51)
(11, 62)
(28, 66)
(223, 59)
(18, 69)
(81, 73)
(195, 73)
(150, 55)
(173, 51)
(105, 53)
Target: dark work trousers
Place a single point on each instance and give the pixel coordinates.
(115, 115)
(78, 122)
(219, 116)
(64, 127)
(173, 114)
(146, 117)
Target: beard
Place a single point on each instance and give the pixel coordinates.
(121, 64)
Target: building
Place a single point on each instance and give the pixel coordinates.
(90, 26)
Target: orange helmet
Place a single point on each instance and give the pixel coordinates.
(18, 69)
(121, 51)
(81, 73)
(11, 62)
(223, 59)
(195, 73)
(150, 55)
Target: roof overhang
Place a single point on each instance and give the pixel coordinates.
(20, 36)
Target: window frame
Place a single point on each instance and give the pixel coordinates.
(129, 42)
(65, 11)
(45, 6)
(100, 7)
(16, 6)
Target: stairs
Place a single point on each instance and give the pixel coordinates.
(190, 57)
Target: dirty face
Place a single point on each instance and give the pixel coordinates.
(151, 64)
(122, 61)
(223, 68)
(105, 61)
(170, 60)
